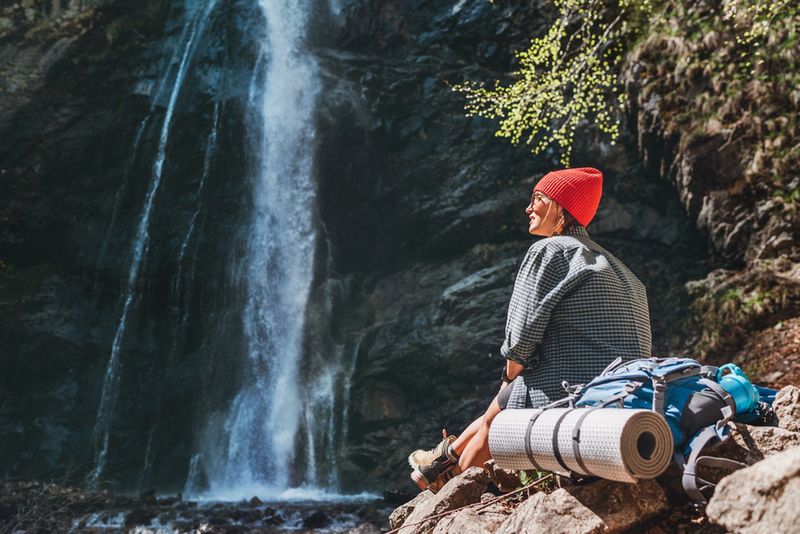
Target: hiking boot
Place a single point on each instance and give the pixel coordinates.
(423, 458)
(430, 466)
(437, 483)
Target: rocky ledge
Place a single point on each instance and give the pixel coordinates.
(758, 498)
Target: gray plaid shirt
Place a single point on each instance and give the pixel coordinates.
(574, 309)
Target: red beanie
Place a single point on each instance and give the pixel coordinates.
(576, 190)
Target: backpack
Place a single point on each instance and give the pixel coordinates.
(697, 401)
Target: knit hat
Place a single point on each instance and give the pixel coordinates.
(576, 190)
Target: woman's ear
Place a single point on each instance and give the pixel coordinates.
(559, 223)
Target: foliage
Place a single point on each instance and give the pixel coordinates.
(566, 76)
(570, 75)
(752, 20)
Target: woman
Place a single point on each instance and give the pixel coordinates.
(574, 309)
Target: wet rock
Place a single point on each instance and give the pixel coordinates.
(558, 512)
(787, 408)
(217, 520)
(462, 490)
(149, 497)
(760, 498)
(139, 517)
(317, 519)
(170, 501)
(255, 501)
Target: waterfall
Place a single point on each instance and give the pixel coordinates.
(264, 419)
(182, 312)
(211, 145)
(137, 138)
(101, 433)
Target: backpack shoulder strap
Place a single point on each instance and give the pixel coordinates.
(711, 435)
(612, 365)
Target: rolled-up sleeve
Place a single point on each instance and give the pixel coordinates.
(542, 280)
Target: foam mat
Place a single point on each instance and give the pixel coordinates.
(616, 444)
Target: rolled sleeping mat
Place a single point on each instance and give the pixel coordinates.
(612, 443)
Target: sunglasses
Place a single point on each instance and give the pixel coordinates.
(539, 197)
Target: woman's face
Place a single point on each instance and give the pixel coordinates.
(542, 213)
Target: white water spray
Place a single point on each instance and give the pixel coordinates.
(264, 419)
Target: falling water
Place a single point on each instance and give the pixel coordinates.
(108, 396)
(180, 326)
(137, 138)
(211, 145)
(191, 486)
(265, 416)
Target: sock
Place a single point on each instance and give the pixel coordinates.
(452, 454)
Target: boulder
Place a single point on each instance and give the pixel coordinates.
(787, 408)
(553, 513)
(621, 505)
(603, 506)
(473, 521)
(316, 519)
(400, 513)
(748, 444)
(504, 479)
(761, 498)
(758, 442)
(365, 528)
(464, 489)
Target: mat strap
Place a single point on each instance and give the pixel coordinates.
(528, 449)
(557, 452)
(576, 440)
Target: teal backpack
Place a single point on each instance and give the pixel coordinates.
(698, 402)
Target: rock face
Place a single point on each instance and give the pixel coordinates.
(717, 149)
(760, 498)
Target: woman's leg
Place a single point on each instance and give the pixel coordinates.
(468, 433)
(475, 450)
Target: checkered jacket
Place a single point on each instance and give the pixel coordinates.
(574, 309)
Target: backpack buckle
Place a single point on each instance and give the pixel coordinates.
(659, 392)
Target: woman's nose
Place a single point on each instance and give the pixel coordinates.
(529, 209)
